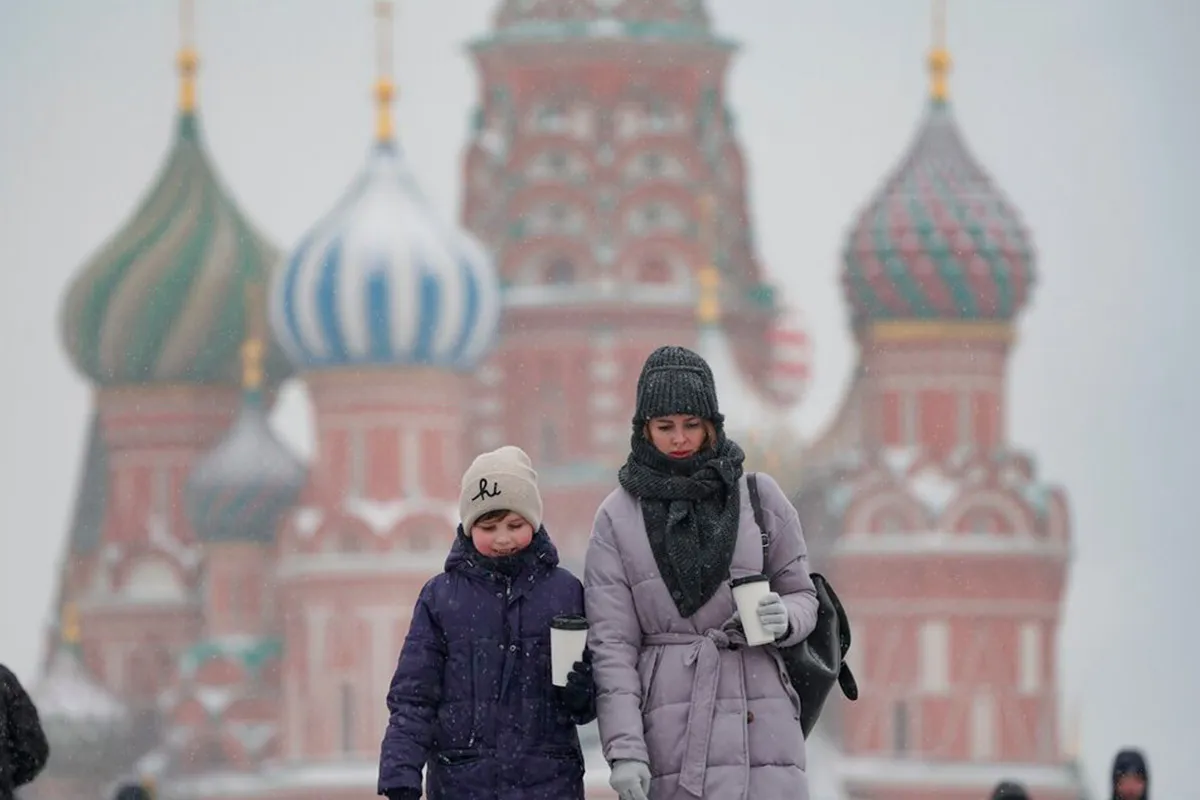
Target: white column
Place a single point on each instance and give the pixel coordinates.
(412, 463)
(317, 693)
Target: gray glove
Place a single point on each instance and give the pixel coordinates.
(630, 779)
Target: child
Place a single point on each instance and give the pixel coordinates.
(472, 699)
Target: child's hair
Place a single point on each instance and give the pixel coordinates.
(492, 516)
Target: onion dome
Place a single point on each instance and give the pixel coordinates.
(242, 487)
(791, 359)
(88, 728)
(382, 281)
(161, 302)
(939, 241)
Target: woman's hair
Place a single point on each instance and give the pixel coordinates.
(493, 516)
(710, 432)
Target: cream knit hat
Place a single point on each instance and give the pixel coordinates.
(503, 478)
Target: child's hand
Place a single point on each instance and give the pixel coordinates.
(578, 697)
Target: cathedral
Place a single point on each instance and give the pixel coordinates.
(229, 616)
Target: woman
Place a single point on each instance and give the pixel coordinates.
(685, 708)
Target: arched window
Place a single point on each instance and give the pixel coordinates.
(561, 271)
(654, 270)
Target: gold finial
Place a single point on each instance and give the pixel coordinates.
(708, 306)
(939, 56)
(68, 625)
(187, 59)
(253, 348)
(385, 89)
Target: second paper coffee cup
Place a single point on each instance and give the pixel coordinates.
(568, 638)
(747, 591)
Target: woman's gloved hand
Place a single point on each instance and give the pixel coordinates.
(630, 779)
(773, 615)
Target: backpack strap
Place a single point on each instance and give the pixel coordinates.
(756, 507)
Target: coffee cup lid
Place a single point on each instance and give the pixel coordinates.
(745, 579)
(569, 623)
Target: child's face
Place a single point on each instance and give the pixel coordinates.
(501, 535)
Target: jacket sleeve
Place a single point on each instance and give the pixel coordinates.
(413, 699)
(615, 638)
(584, 716)
(787, 561)
(27, 744)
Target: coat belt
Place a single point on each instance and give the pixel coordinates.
(705, 652)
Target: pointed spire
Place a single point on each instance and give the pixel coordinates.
(708, 305)
(939, 56)
(385, 89)
(68, 625)
(254, 346)
(187, 60)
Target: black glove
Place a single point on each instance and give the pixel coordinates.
(404, 794)
(578, 697)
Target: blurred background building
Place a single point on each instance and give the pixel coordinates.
(230, 616)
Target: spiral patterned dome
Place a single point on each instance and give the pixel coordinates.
(381, 281)
(242, 487)
(939, 241)
(163, 300)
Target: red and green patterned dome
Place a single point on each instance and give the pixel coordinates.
(939, 241)
(164, 299)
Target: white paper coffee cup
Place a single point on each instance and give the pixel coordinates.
(747, 591)
(568, 638)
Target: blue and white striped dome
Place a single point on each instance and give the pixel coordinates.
(382, 282)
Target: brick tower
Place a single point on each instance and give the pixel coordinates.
(598, 125)
(154, 320)
(950, 553)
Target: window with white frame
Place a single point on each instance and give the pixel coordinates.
(935, 656)
(1029, 653)
(983, 727)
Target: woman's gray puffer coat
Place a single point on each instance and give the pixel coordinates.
(712, 717)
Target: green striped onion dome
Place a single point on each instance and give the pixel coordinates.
(939, 241)
(165, 299)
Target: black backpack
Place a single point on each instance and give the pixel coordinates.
(818, 662)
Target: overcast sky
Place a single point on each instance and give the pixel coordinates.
(1083, 110)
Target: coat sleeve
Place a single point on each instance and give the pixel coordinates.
(586, 715)
(787, 561)
(615, 638)
(413, 699)
(27, 744)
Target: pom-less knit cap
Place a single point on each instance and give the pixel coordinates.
(675, 380)
(501, 479)
(1008, 790)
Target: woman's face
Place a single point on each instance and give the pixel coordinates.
(501, 534)
(679, 435)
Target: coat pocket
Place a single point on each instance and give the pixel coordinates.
(457, 758)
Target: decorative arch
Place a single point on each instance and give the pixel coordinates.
(344, 533)
(888, 511)
(987, 511)
(545, 263)
(655, 216)
(420, 533)
(675, 196)
(664, 161)
(153, 578)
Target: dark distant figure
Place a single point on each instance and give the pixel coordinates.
(133, 791)
(23, 747)
(1008, 790)
(1130, 777)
